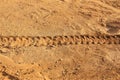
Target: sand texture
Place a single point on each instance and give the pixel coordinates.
(59, 39)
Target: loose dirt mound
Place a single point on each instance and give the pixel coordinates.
(22, 57)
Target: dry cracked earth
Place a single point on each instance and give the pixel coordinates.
(59, 39)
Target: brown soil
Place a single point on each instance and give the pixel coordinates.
(61, 57)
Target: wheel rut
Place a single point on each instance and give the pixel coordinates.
(37, 41)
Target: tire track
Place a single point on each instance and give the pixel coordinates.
(24, 41)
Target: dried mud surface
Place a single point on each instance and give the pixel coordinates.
(80, 39)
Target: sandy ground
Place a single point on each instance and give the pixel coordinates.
(60, 17)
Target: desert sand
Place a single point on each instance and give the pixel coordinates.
(21, 19)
